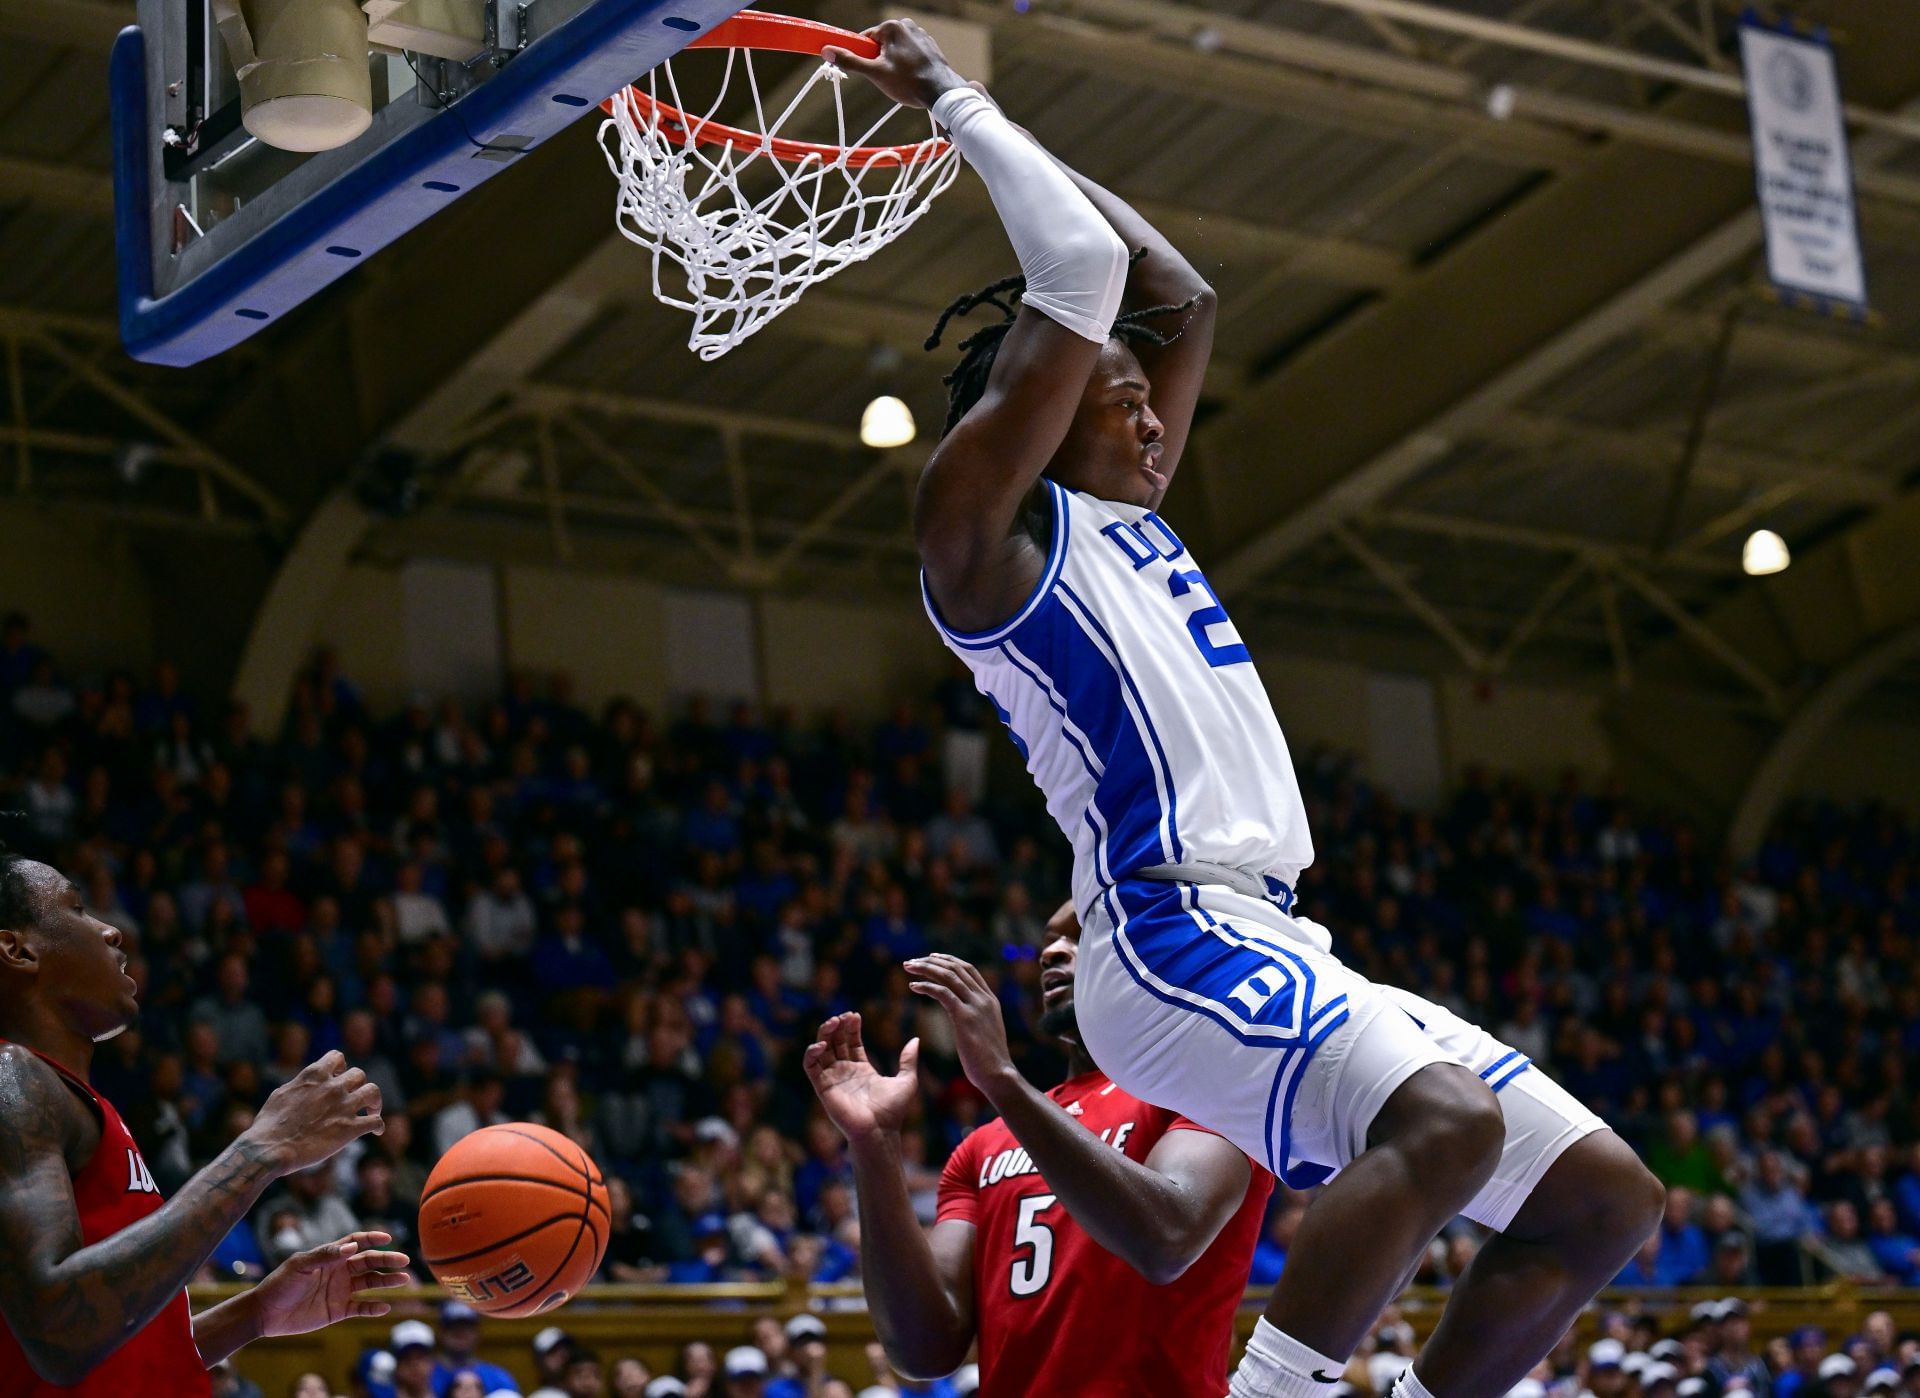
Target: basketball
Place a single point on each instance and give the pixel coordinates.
(514, 1219)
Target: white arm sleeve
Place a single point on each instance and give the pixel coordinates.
(1075, 264)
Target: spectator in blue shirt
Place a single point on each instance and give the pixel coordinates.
(1651, 1266)
(1897, 1252)
(1683, 1245)
(566, 959)
(459, 1343)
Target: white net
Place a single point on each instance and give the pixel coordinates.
(741, 222)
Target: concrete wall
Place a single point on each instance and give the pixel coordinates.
(83, 588)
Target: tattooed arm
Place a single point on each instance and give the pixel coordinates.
(71, 1306)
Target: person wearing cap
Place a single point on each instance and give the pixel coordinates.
(798, 1353)
(666, 1386)
(1808, 1346)
(1659, 1380)
(1605, 1376)
(459, 1349)
(552, 1348)
(411, 1343)
(1885, 1379)
(745, 1371)
(373, 1375)
(1837, 1377)
(1735, 1359)
(1149, 1219)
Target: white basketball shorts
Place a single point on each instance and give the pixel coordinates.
(1220, 1006)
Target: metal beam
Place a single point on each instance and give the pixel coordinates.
(559, 398)
(1457, 96)
(137, 407)
(1541, 609)
(1360, 489)
(1210, 232)
(1725, 82)
(79, 24)
(1396, 582)
(1702, 637)
(1262, 85)
(1649, 450)
(1547, 541)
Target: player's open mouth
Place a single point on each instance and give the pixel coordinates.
(1055, 983)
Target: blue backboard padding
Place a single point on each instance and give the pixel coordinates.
(591, 56)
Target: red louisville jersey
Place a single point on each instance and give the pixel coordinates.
(113, 1191)
(1058, 1314)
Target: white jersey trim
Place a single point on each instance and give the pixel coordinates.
(1056, 560)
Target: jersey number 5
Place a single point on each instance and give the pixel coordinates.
(1032, 1273)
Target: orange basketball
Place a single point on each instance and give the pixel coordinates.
(514, 1219)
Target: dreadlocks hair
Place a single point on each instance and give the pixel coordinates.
(968, 381)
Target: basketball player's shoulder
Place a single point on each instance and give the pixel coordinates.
(41, 1111)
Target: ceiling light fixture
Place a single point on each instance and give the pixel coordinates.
(1765, 552)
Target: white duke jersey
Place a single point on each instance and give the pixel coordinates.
(1138, 709)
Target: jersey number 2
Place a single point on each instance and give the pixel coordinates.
(1031, 1274)
(1180, 584)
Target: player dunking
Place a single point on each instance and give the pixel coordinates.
(1082, 615)
(1093, 1244)
(93, 1290)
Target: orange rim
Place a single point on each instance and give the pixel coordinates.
(751, 29)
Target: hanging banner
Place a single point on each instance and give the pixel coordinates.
(1801, 165)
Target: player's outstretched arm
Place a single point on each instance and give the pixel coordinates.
(970, 496)
(919, 1285)
(309, 1291)
(1161, 276)
(70, 1305)
(1158, 1216)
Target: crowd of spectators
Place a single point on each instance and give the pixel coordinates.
(626, 926)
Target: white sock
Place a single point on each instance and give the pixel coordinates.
(1278, 1366)
(1408, 1385)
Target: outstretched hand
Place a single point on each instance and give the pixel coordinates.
(860, 1099)
(324, 1285)
(979, 1028)
(910, 69)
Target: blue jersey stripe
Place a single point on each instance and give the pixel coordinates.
(1137, 707)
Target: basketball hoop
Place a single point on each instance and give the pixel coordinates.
(750, 217)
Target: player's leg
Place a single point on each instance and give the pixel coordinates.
(1224, 1009)
(1430, 1150)
(1569, 1203)
(1415, 1138)
(1595, 1206)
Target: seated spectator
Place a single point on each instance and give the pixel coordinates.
(1842, 1249)
(292, 1046)
(417, 914)
(378, 1206)
(1781, 1217)
(460, 1349)
(44, 702)
(50, 803)
(305, 1212)
(230, 1011)
(478, 1105)
(1683, 1243)
(566, 961)
(1682, 1158)
(1896, 1251)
